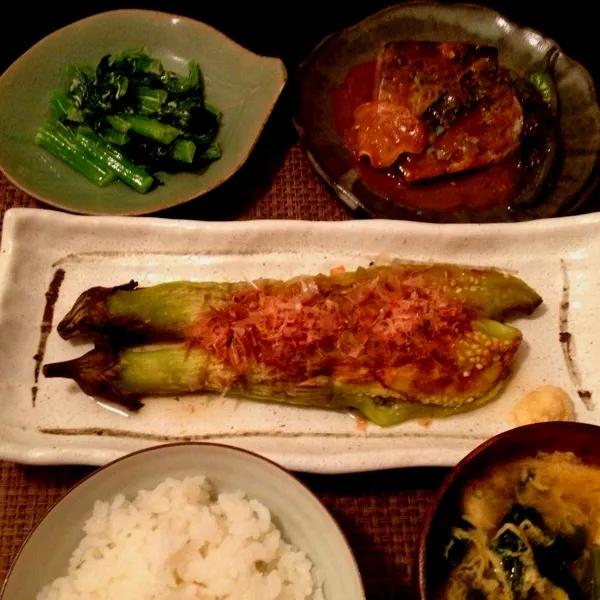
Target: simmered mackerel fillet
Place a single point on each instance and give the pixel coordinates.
(409, 77)
(415, 74)
(479, 121)
(394, 342)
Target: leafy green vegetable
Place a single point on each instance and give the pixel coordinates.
(64, 108)
(183, 150)
(153, 129)
(151, 100)
(118, 123)
(113, 136)
(113, 160)
(511, 548)
(62, 143)
(213, 152)
(551, 558)
(129, 117)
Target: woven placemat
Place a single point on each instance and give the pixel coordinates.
(283, 186)
(381, 513)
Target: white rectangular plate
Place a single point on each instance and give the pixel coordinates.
(65, 426)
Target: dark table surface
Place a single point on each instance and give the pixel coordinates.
(290, 29)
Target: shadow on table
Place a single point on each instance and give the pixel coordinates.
(381, 513)
(51, 479)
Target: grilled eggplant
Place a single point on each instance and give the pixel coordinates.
(170, 310)
(393, 342)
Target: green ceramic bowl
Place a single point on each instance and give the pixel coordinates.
(243, 85)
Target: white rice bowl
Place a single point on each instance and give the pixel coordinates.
(182, 541)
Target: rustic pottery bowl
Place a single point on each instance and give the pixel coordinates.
(243, 85)
(520, 49)
(303, 520)
(581, 439)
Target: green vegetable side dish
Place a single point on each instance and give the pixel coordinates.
(129, 118)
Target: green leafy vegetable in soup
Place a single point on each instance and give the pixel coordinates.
(129, 118)
(530, 530)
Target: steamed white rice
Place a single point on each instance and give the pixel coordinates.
(180, 541)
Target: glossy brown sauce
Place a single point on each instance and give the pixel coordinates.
(492, 186)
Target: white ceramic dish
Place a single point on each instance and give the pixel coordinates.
(303, 520)
(64, 426)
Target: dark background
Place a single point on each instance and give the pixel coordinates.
(288, 28)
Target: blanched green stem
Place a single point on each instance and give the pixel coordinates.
(151, 100)
(213, 109)
(119, 123)
(202, 140)
(152, 66)
(153, 129)
(115, 161)
(59, 141)
(193, 75)
(213, 152)
(115, 137)
(183, 151)
(64, 108)
(181, 85)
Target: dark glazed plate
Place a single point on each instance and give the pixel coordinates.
(581, 439)
(520, 49)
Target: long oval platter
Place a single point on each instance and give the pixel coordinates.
(51, 421)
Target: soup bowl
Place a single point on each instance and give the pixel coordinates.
(581, 439)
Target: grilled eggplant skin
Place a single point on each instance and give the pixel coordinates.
(128, 375)
(393, 342)
(167, 311)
